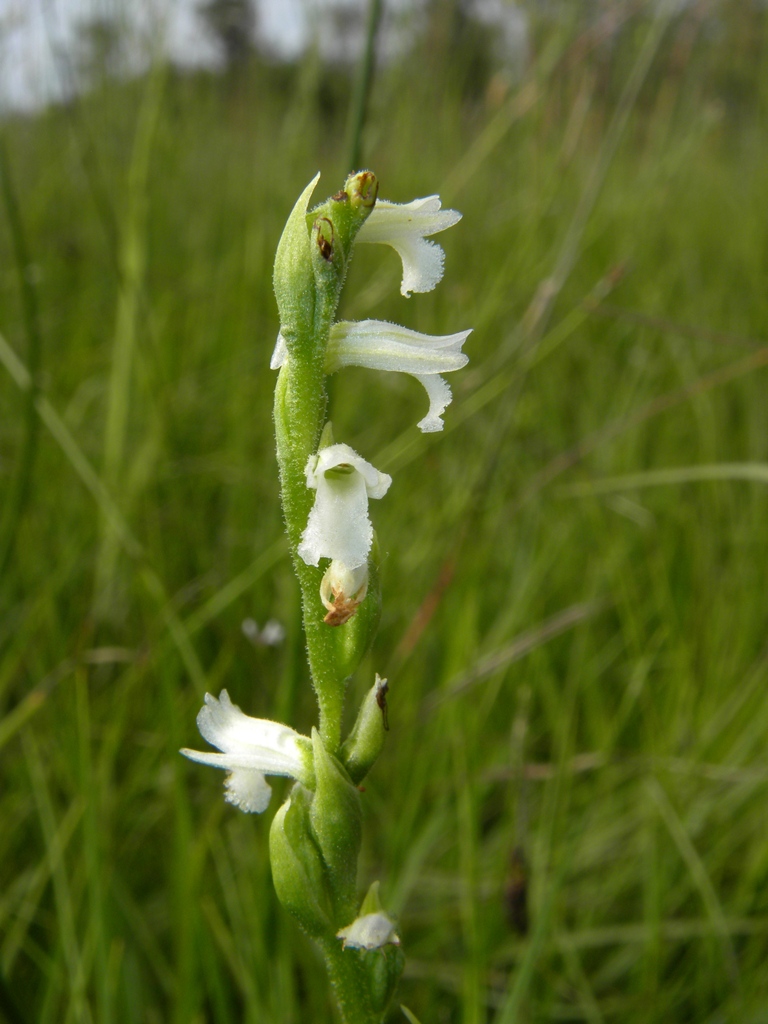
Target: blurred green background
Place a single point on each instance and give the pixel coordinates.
(570, 814)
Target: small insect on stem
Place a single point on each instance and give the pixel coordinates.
(381, 700)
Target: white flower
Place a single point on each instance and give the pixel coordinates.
(338, 526)
(405, 227)
(371, 931)
(379, 345)
(252, 748)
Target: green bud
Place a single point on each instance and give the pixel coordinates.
(364, 743)
(298, 873)
(312, 258)
(336, 820)
(362, 189)
(333, 226)
(384, 967)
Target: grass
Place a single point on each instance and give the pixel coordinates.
(574, 613)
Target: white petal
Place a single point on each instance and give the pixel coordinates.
(376, 483)
(380, 345)
(279, 354)
(439, 394)
(423, 264)
(247, 790)
(254, 743)
(245, 786)
(372, 931)
(405, 227)
(422, 216)
(338, 525)
(259, 761)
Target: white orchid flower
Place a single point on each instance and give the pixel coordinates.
(380, 345)
(251, 748)
(371, 931)
(405, 226)
(338, 526)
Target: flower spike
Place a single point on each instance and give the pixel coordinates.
(252, 748)
(405, 227)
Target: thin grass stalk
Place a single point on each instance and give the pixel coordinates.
(132, 266)
(109, 510)
(360, 100)
(64, 897)
(21, 484)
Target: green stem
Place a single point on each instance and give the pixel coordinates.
(310, 266)
(350, 984)
(300, 402)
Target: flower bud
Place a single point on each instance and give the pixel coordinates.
(312, 258)
(342, 590)
(334, 226)
(370, 931)
(372, 928)
(336, 821)
(297, 866)
(373, 939)
(362, 189)
(384, 967)
(364, 743)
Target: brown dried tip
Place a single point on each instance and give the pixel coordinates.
(324, 228)
(342, 591)
(342, 611)
(340, 197)
(381, 700)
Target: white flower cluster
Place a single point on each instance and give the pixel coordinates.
(338, 526)
(379, 345)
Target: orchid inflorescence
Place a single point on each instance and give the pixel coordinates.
(325, 489)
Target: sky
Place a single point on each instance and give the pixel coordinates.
(39, 38)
